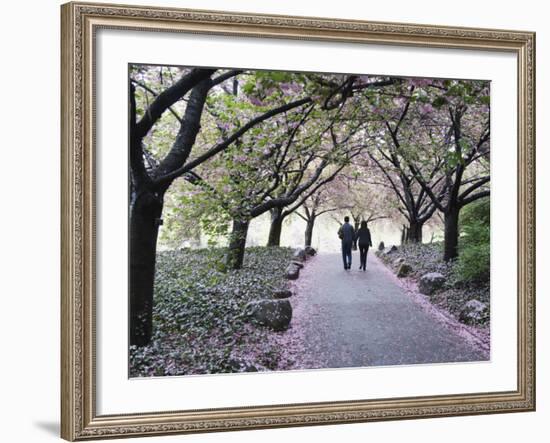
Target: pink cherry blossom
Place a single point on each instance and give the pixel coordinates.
(256, 101)
(399, 101)
(426, 108)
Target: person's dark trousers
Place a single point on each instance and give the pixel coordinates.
(363, 250)
(346, 255)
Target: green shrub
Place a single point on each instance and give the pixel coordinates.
(479, 210)
(475, 242)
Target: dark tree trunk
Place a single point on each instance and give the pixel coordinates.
(145, 217)
(404, 235)
(451, 234)
(309, 231)
(276, 227)
(414, 232)
(237, 243)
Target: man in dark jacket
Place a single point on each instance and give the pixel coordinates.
(347, 235)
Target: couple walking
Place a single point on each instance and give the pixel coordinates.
(349, 236)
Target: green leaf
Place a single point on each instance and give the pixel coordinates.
(486, 100)
(439, 102)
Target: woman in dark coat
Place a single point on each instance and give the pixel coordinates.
(364, 240)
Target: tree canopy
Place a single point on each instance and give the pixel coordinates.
(212, 149)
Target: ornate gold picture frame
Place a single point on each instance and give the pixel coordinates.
(80, 23)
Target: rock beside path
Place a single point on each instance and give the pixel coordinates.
(275, 314)
(398, 261)
(431, 282)
(282, 293)
(299, 254)
(292, 272)
(404, 270)
(474, 312)
(310, 251)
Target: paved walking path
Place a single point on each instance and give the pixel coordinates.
(355, 318)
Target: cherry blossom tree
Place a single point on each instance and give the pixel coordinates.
(395, 135)
(466, 151)
(150, 181)
(236, 144)
(432, 145)
(321, 202)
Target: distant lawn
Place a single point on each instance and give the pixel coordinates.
(199, 324)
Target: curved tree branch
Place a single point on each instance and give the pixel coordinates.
(169, 176)
(168, 97)
(139, 173)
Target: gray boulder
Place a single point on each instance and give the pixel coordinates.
(282, 293)
(275, 314)
(391, 250)
(398, 261)
(404, 270)
(474, 312)
(429, 283)
(299, 254)
(381, 246)
(310, 251)
(292, 272)
(297, 263)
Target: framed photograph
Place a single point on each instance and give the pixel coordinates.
(282, 221)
